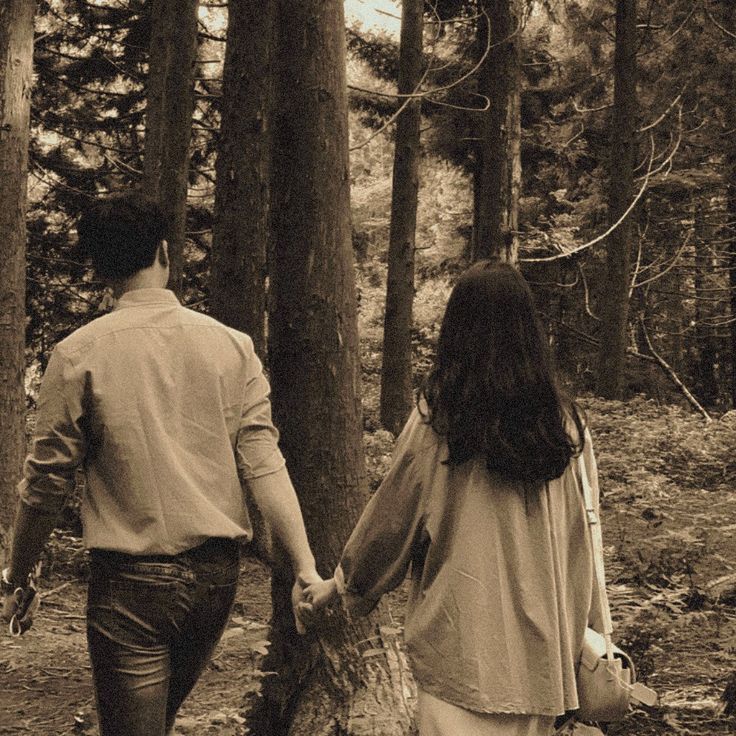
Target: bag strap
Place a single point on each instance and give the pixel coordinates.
(597, 544)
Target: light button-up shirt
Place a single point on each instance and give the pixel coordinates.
(165, 408)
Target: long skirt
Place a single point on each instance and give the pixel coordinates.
(439, 718)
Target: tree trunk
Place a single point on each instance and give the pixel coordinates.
(614, 309)
(240, 230)
(353, 680)
(732, 271)
(16, 62)
(396, 374)
(498, 162)
(706, 342)
(169, 108)
(730, 156)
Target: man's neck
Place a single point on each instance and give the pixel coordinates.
(146, 279)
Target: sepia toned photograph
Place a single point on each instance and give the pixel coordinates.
(367, 367)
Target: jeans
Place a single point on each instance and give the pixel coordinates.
(152, 625)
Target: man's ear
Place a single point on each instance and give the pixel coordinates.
(163, 254)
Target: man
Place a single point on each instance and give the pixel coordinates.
(167, 410)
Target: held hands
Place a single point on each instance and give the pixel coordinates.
(309, 596)
(321, 594)
(317, 597)
(299, 603)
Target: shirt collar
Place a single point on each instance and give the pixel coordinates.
(142, 297)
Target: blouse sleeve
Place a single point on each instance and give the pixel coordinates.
(591, 468)
(389, 531)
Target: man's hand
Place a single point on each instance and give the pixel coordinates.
(19, 605)
(299, 604)
(321, 594)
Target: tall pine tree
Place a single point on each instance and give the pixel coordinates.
(16, 62)
(315, 374)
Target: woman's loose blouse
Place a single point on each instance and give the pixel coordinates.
(501, 578)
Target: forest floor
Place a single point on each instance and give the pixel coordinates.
(670, 531)
(669, 513)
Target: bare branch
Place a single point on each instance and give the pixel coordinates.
(604, 235)
(575, 137)
(590, 109)
(586, 293)
(637, 266)
(402, 107)
(672, 104)
(486, 104)
(666, 270)
(459, 80)
(665, 366)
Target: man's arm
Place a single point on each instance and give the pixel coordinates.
(261, 465)
(275, 496)
(48, 476)
(31, 530)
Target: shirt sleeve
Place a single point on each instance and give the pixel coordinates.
(389, 533)
(59, 444)
(591, 468)
(257, 447)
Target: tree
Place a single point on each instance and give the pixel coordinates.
(240, 228)
(16, 62)
(728, 16)
(614, 310)
(396, 375)
(497, 179)
(315, 373)
(706, 343)
(169, 108)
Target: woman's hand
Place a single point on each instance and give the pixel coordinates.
(320, 594)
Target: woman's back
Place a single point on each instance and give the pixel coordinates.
(501, 578)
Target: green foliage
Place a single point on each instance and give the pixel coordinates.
(87, 140)
(662, 441)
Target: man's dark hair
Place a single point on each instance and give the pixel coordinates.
(120, 234)
(493, 390)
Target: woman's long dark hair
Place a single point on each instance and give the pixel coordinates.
(492, 391)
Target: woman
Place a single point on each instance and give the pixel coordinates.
(482, 500)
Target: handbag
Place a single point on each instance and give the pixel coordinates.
(606, 678)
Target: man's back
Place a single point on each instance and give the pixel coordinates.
(157, 395)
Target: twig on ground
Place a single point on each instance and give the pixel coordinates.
(57, 589)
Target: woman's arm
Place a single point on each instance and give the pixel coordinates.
(390, 530)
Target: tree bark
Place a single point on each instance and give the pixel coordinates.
(706, 341)
(614, 309)
(16, 63)
(498, 162)
(240, 229)
(351, 680)
(731, 189)
(730, 157)
(396, 374)
(169, 109)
